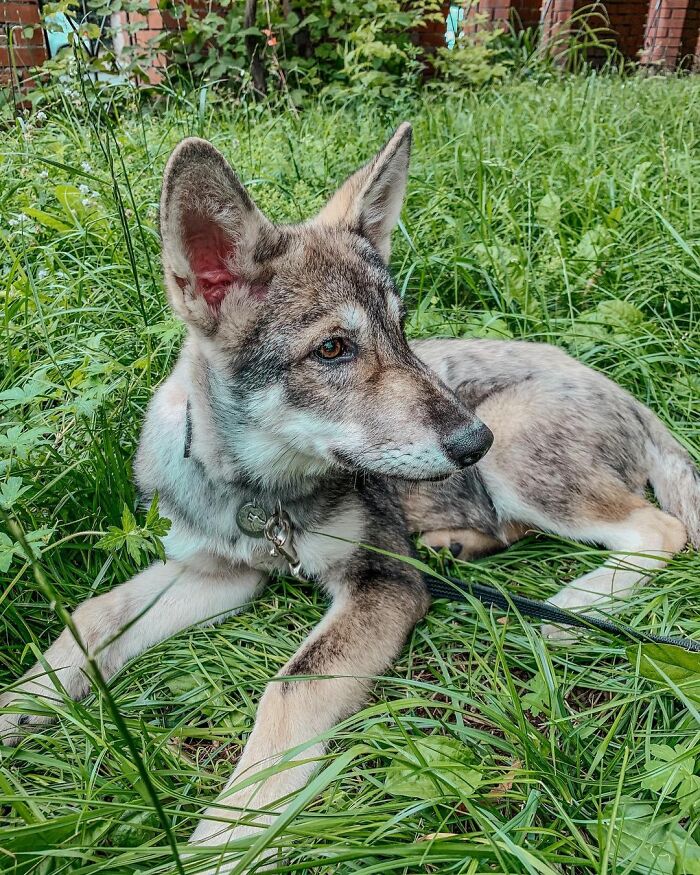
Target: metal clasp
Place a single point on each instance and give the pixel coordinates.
(279, 533)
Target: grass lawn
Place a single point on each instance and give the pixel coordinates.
(567, 212)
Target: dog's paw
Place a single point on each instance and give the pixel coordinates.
(16, 723)
(578, 600)
(224, 837)
(12, 728)
(560, 635)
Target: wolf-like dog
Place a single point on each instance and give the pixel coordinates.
(293, 429)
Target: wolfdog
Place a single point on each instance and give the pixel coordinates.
(293, 429)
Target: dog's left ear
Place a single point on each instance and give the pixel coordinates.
(370, 201)
(210, 231)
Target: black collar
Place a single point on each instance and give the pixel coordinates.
(188, 430)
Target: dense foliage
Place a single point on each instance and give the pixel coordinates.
(333, 48)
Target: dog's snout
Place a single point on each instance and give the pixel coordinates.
(468, 444)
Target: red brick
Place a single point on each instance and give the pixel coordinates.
(23, 57)
(19, 40)
(19, 13)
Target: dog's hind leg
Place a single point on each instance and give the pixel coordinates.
(468, 543)
(642, 541)
(462, 543)
(120, 624)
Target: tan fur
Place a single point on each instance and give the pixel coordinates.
(463, 543)
(643, 541)
(359, 637)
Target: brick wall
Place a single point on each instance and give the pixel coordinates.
(141, 31)
(501, 13)
(672, 33)
(660, 33)
(627, 25)
(19, 53)
(558, 19)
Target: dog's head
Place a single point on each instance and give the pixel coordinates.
(300, 327)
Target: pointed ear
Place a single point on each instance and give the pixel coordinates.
(209, 228)
(370, 201)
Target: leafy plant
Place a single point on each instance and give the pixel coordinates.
(433, 768)
(138, 541)
(477, 58)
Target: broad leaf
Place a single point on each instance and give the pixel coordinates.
(652, 844)
(10, 491)
(668, 768)
(7, 552)
(659, 662)
(549, 210)
(433, 768)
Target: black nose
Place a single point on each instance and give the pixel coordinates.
(468, 444)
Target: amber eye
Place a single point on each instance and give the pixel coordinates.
(335, 349)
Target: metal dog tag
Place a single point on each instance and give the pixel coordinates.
(252, 519)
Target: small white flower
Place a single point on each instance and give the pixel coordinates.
(87, 167)
(19, 219)
(41, 116)
(86, 202)
(44, 174)
(84, 189)
(42, 274)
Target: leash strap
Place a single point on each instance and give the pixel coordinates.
(460, 590)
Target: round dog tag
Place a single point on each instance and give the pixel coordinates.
(252, 519)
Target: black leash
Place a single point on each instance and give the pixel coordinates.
(460, 590)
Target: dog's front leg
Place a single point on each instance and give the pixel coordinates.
(118, 625)
(358, 639)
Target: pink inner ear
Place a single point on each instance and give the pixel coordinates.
(210, 254)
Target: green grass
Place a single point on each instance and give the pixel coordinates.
(567, 212)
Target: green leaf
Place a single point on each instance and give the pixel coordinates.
(186, 683)
(657, 662)
(47, 220)
(10, 491)
(620, 314)
(549, 210)
(128, 520)
(432, 768)
(592, 244)
(136, 831)
(7, 551)
(138, 541)
(688, 794)
(70, 199)
(652, 844)
(537, 701)
(668, 768)
(155, 523)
